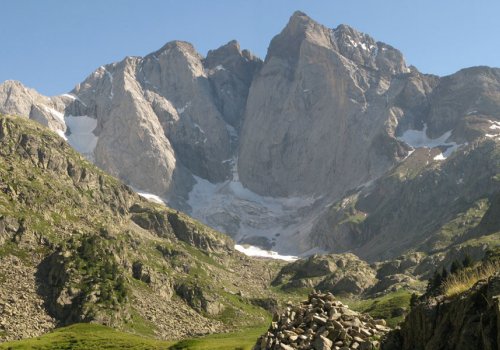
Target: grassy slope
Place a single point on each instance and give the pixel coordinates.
(384, 307)
(86, 336)
(91, 336)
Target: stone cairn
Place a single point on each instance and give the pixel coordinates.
(322, 323)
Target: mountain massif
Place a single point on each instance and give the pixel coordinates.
(275, 152)
(332, 148)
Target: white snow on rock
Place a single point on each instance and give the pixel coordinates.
(419, 139)
(440, 156)
(199, 128)
(69, 96)
(81, 136)
(258, 252)
(150, 196)
(231, 208)
(73, 97)
(62, 134)
(494, 125)
(56, 114)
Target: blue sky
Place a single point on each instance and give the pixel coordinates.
(52, 45)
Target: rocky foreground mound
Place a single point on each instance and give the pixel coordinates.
(322, 323)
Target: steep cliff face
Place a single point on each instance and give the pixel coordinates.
(169, 115)
(17, 99)
(320, 114)
(154, 121)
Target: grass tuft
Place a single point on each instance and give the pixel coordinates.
(465, 279)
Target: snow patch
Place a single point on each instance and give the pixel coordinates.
(419, 139)
(61, 133)
(494, 125)
(257, 252)
(220, 67)
(73, 97)
(440, 156)
(81, 136)
(69, 96)
(56, 114)
(151, 197)
(199, 128)
(236, 210)
(492, 136)
(183, 109)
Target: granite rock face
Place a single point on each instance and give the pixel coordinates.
(17, 99)
(320, 112)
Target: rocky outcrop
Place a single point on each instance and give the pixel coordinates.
(199, 299)
(343, 274)
(468, 321)
(16, 99)
(321, 323)
(196, 235)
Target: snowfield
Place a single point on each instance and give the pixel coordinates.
(81, 136)
(419, 139)
(277, 224)
(258, 252)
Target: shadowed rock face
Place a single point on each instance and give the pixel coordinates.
(322, 115)
(466, 322)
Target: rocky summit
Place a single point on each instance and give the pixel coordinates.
(322, 323)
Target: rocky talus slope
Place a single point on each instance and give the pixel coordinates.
(76, 245)
(272, 151)
(468, 321)
(322, 323)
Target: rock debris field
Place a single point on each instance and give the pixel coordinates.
(322, 323)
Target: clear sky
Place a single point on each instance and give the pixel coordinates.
(51, 45)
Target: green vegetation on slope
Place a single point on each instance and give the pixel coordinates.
(101, 253)
(466, 278)
(85, 336)
(391, 307)
(241, 340)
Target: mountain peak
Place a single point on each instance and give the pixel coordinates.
(298, 23)
(180, 46)
(299, 28)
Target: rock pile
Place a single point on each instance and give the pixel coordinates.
(22, 311)
(322, 323)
